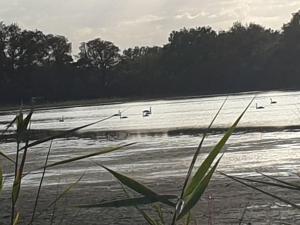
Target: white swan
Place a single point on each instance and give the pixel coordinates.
(147, 112)
(122, 117)
(272, 102)
(259, 107)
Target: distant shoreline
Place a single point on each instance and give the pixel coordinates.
(124, 134)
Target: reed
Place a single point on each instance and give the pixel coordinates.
(179, 206)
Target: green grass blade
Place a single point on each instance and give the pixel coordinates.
(243, 214)
(19, 122)
(266, 183)
(160, 214)
(194, 197)
(1, 180)
(65, 133)
(87, 156)
(198, 150)
(149, 220)
(27, 120)
(264, 192)
(126, 202)
(138, 187)
(281, 181)
(17, 218)
(66, 191)
(40, 185)
(199, 175)
(188, 219)
(190, 170)
(16, 188)
(7, 157)
(7, 127)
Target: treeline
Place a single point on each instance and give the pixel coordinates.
(36, 66)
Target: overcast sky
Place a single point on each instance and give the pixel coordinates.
(128, 23)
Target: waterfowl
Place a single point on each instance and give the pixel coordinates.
(272, 102)
(259, 107)
(147, 112)
(62, 119)
(122, 117)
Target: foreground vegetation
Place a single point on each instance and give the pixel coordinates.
(195, 184)
(194, 61)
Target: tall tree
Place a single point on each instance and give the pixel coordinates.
(59, 50)
(13, 45)
(100, 55)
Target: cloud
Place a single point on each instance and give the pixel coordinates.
(190, 16)
(143, 19)
(140, 22)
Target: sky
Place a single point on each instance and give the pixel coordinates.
(129, 23)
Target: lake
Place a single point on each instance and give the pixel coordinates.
(268, 141)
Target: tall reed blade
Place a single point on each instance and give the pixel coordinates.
(138, 187)
(1, 179)
(40, 185)
(127, 202)
(198, 150)
(148, 218)
(7, 157)
(7, 127)
(16, 220)
(160, 214)
(281, 181)
(265, 182)
(66, 191)
(190, 170)
(264, 192)
(87, 156)
(194, 197)
(65, 133)
(16, 189)
(188, 219)
(199, 175)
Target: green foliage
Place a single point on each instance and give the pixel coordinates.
(194, 197)
(65, 133)
(188, 219)
(16, 188)
(139, 188)
(87, 156)
(127, 202)
(1, 179)
(17, 219)
(23, 125)
(148, 218)
(160, 214)
(198, 151)
(295, 186)
(66, 191)
(7, 157)
(288, 186)
(202, 170)
(191, 192)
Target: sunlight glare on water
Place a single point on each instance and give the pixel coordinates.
(170, 114)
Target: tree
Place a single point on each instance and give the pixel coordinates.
(12, 45)
(3, 59)
(100, 55)
(32, 50)
(291, 32)
(58, 50)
